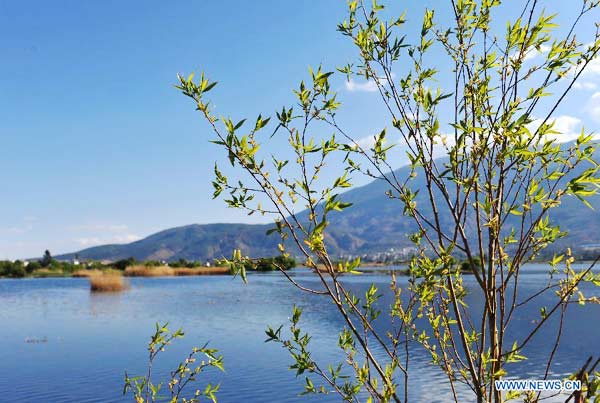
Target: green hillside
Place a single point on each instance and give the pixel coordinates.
(374, 224)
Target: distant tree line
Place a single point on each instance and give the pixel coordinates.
(272, 263)
(183, 263)
(20, 268)
(48, 266)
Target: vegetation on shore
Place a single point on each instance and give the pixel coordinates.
(271, 263)
(198, 271)
(152, 268)
(148, 271)
(142, 270)
(50, 267)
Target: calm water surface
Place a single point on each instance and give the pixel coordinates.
(90, 339)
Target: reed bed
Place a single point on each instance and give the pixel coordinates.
(149, 271)
(161, 271)
(87, 273)
(201, 271)
(96, 272)
(44, 272)
(107, 283)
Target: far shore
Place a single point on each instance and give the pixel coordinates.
(143, 270)
(133, 271)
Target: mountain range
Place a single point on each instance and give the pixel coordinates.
(373, 225)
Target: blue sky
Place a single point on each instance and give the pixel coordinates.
(97, 145)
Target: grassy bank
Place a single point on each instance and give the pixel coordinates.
(199, 271)
(162, 271)
(126, 267)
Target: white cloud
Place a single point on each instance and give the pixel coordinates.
(569, 127)
(103, 233)
(364, 86)
(584, 85)
(531, 54)
(440, 149)
(100, 227)
(19, 230)
(368, 142)
(593, 106)
(93, 241)
(534, 53)
(127, 238)
(588, 79)
(23, 227)
(593, 67)
(365, 143)
(85, 242)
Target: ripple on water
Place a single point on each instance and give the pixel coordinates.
(93, 338)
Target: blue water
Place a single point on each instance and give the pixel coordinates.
(89, 340)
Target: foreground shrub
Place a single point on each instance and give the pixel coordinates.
(145, 391)
(456, 86)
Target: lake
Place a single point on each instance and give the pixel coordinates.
(89, 340)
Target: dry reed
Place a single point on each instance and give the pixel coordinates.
(200, 271)
(107, 283)
(149, 271)
(87, 273)
(44, 272)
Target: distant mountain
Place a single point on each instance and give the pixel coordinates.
(191, 242)
(373, 224)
